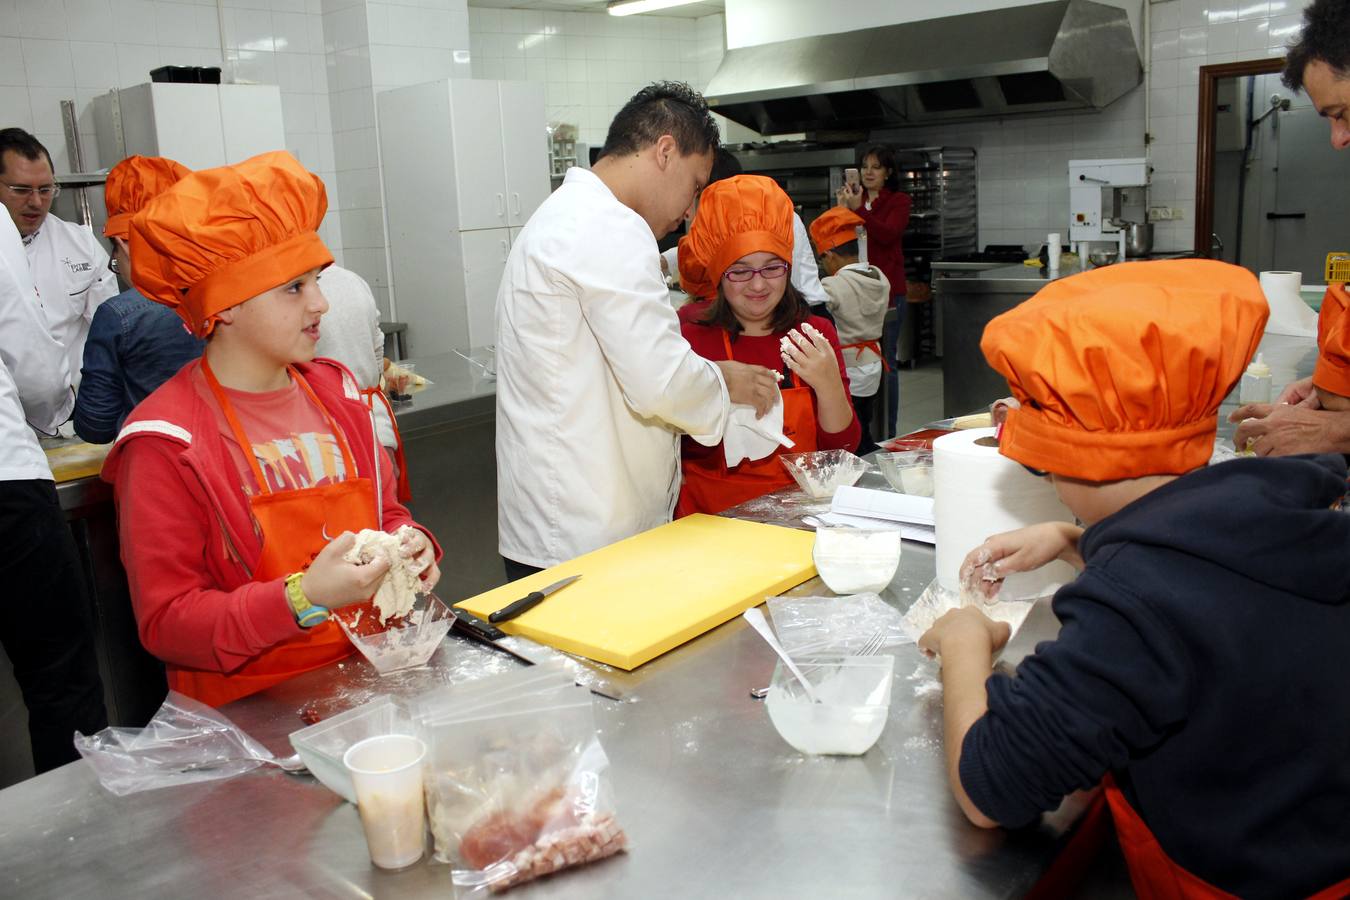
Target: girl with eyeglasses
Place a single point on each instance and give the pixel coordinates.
(741, 241)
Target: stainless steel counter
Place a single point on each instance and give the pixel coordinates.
(713, 801)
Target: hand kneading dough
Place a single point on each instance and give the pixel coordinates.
(398, 591)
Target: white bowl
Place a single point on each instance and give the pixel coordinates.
(855, 695)
(822, 472)
(856, 560)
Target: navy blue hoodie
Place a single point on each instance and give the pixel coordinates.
(1204, 658)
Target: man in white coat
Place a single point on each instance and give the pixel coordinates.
(69, 265)
(594, 382)
(46, 623)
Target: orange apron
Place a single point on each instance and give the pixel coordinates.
(295, 525)
(710, 487)
(874, 346)
(404, 489)
(1154, 874)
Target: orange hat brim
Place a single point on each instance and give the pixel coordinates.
(246, 278)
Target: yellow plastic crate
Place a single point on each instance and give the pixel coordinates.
(1338, 267)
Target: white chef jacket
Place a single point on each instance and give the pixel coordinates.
(350, 333)
(34, 380)
(70, 269)
(805, 274)
(594, 381)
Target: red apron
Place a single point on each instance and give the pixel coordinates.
(1154, 875)
(404, 490)
(295, 525)
(710, 487)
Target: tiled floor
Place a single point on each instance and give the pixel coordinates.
(920, 396)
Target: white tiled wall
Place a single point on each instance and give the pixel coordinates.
(372, 46)
(54, 50)
(592, 62)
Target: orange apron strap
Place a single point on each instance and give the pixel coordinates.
(874, 346)
(404, 487)
(241, 437)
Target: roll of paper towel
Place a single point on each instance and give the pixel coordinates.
(1288, 313)
(977, 493)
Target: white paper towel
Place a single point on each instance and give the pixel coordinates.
(978, 493)
(1288, 313)
(749, 438)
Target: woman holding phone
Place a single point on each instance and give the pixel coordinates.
(885, 213)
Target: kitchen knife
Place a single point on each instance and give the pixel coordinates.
(529, 601)
(527, 651)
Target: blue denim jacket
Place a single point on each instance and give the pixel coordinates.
(134, 346)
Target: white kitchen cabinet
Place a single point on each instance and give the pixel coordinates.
(199, 125)
(465, 164)
(485, 254)
(524, 144)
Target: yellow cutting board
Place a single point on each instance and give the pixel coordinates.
(639, 597)
(77, 460)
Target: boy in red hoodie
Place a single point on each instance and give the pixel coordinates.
(239, 482)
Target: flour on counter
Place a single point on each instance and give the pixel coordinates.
(398, 591)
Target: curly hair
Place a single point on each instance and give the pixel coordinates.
(666, 107)
(1325, 38)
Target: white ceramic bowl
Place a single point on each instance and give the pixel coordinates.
(855, 695)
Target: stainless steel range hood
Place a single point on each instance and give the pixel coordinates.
(1046, 57)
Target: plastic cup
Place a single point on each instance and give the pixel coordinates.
(1052, 248)
(387, 774)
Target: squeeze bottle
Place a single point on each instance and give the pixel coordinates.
(1255, 385)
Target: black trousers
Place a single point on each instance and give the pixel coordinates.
(47, 626)
(517, 570)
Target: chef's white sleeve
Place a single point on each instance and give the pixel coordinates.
(805, 274)
(35, 360)
(626, 306)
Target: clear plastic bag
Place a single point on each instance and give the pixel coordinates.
(186, 742)
(836, 624)
(516, 795)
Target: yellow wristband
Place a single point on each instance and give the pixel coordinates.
(306, 613)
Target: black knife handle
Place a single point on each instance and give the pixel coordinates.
(511, 610)
(467, 622)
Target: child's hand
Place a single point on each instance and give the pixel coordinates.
(965, 628)
(331, 581)
(417, 547)
(808, 353)
(1023, 550)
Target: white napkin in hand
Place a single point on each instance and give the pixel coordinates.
(751, 438)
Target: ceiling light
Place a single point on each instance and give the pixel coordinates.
(634, 7)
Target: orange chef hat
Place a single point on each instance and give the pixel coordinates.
(1332, 372)
(1120, 371)
(134, 182)
(736, 216)
(221, 236)
(694, 279)
(835, 226)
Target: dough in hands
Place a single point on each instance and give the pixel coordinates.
(398, 591)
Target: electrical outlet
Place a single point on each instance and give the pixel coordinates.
(1177, 213)
(1159, 213)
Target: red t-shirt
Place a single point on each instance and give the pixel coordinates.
(290, 438)
(762, 350)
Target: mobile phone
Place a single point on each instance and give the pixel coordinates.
(851, 176)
